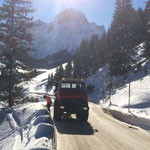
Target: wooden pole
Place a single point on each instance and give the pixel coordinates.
(103, 94)
(129, 98)
(110, 96)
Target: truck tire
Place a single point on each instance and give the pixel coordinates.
(57, 111)
(83, 116)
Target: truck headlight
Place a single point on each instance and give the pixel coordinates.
(62, 107)
(85, 108)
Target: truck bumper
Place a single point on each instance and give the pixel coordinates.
(73, 109)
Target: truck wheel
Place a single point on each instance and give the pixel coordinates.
(57, 111)
(83, 116)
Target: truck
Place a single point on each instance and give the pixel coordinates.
(71, 98)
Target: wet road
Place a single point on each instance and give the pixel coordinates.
(101, 132)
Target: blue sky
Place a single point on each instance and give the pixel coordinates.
(98, 11)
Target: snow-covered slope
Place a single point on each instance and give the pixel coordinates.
(37, 86)
(140, 89)
(67, 31)
(140, 98)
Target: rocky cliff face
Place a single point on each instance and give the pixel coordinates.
(66, 33)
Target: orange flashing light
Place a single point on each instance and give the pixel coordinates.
(63, 79)
(82, 79)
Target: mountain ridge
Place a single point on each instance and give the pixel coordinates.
(66, 32)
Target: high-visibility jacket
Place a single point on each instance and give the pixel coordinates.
(48, 99)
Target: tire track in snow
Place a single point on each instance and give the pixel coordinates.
(12, 122)
(21, 128)
(24, 125)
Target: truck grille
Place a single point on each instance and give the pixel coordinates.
(73, 101)
(73, 105)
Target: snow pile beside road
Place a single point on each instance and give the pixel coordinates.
(27, 127)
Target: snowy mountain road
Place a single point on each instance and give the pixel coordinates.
(101, 132)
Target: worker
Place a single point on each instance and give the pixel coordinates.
(48, 100)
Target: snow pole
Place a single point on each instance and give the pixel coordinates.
(103, 92)
(110, 96)
(129, 98)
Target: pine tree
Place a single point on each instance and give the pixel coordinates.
(103, 50)
(48, 81)
(129, 25)
(56, 77)
(94, 53)
(123, 37)
(77, 66)
(140, 25)
(68, 70)
(108, 47)
(89, 57)
(82, 60)
(15, 41)
(147, 35)
(61, 72)
(52, 80)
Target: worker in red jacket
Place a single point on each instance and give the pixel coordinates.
(48, 100)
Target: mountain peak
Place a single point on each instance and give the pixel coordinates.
(66, 32)
(69, 15)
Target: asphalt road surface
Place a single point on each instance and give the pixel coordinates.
(101, 132)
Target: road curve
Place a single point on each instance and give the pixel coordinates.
(101, 132)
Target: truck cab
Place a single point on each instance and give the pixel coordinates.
(71, 98)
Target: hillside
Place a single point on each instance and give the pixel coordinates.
(139, 84)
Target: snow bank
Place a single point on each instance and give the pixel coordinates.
(44, 130)
(39, 148)
(41, 119)
(27, 126)
(129, 118)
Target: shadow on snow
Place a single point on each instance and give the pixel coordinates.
(73, 126)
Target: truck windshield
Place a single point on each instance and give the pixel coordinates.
(75, 86)
(65, 85)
